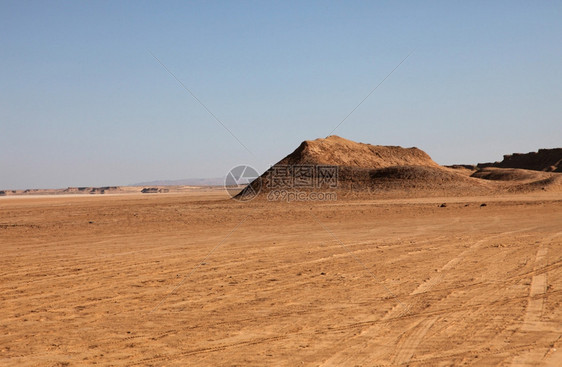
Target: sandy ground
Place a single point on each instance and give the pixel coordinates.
(196, 280)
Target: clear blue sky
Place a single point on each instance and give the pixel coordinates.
(83, 103)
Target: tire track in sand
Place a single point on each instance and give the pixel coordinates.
(415, 334)
(409, 343)
(536, 294)
(413, 337)
(535, 304)
(555, 359)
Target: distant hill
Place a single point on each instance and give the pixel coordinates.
(218, 181)
(547, 160)
(338, 151)
(365, 170)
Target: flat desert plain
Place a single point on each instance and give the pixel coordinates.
(201, 280)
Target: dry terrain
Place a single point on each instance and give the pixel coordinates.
(367, 171)
(194, 279)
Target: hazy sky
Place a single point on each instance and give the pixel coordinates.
(83, 102)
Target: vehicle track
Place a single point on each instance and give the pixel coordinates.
(532, 321)
(400, 309)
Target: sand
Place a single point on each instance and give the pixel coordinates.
(193, 279)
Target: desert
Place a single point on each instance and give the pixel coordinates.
(417, 276)
(280, 183)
